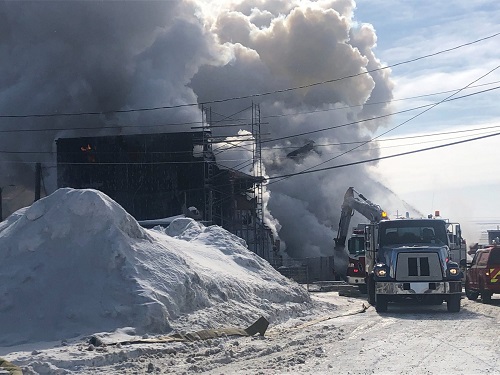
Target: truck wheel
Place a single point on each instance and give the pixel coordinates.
(363, 289)
(381, 303)
(453, 303)
(371, 290)
(472, 295)
(486, 296)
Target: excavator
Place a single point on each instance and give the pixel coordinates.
(350, 265)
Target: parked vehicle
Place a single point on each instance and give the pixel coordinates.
(483, 275)
(410, 259)
(405, 259)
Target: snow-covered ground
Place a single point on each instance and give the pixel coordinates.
(79, 278)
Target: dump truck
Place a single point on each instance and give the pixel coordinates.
(409, 259)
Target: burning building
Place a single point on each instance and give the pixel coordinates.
(150, 175)
(161, 175)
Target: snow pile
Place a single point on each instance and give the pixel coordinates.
(76, 263)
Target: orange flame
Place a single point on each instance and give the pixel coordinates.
(86, 148)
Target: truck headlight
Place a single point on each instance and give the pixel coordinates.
(452, 270)
(381, 272)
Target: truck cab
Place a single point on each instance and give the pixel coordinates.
(410, 259)
(483, 276)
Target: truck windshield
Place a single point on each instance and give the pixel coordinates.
(400, 232)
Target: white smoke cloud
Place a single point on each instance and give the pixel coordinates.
(236, 152)
(298, 44)
(104, 56)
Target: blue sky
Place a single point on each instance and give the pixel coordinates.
(462, 181)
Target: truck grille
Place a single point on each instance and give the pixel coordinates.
(418, 267)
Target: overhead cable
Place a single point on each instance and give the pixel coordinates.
(285, 176)
(249, 96)
(401, 124)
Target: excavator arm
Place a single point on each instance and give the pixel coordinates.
(353, 201)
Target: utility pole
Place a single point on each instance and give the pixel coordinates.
(38, 178)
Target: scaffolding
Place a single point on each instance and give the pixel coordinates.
(239, 205)
(259, 225)
(208, 169)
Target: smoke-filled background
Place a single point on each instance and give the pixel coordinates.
(102, 57)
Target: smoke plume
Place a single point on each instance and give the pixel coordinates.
(82, 57)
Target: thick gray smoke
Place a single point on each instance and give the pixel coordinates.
(93, 56)
(63, 57)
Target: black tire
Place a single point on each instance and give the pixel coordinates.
(453, 303)
(486, 296)
(371, 290)
(363, 289)
(381, 303)
(470, 294)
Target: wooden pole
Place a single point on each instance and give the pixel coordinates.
(38, 179)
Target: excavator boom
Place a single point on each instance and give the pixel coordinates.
(353, 201)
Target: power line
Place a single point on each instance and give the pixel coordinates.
(389, 139)
(357, 150)
(427, 106)
(440, 133)
(114, 127)
(449, 98)
(404, 122)
(285, 176)
(239, 167)
(379, 103)
(249, 96)
(276, 148)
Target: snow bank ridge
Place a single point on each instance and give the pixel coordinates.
(76, 263)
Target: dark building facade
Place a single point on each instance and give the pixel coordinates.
(155, 176)
(150, 175)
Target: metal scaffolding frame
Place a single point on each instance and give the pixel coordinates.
(239, 207)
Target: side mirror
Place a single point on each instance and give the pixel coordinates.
(463, 263)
